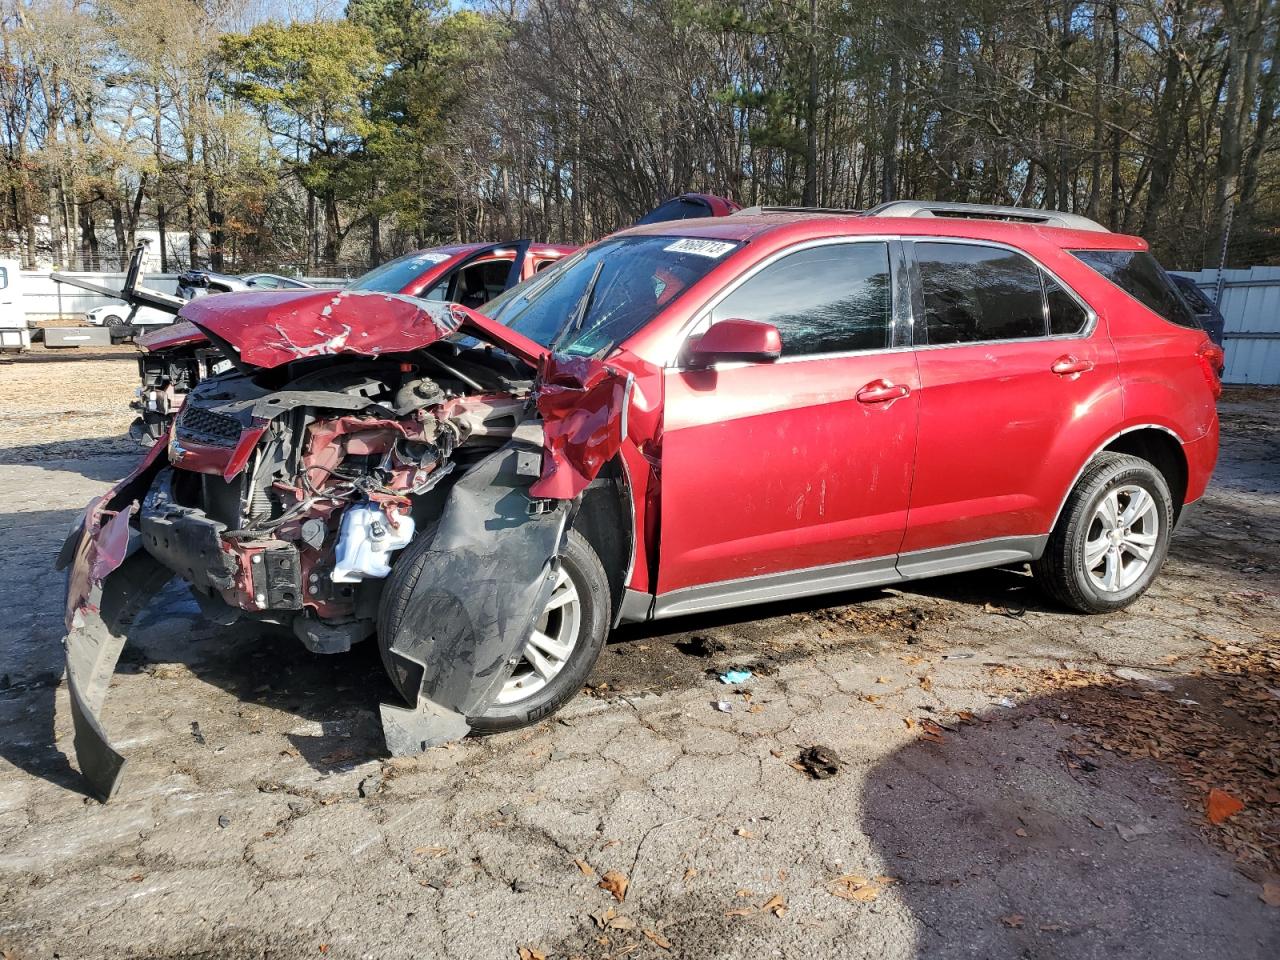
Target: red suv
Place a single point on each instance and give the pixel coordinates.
(682, 417)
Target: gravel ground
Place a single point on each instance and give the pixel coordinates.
(260, 818)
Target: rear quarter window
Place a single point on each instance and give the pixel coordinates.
(1140, 275)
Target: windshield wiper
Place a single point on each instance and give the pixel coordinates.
(574, 322)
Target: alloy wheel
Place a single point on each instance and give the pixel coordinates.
(549, 646)
(1122, 538)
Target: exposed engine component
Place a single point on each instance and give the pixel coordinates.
(369, 535)
(322, 494)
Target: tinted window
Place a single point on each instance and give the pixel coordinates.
(828, 299)
(974, 293)
(1138, 274)
(634, 279)
(1066, 316)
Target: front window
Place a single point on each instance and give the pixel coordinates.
(394, 275)
(629, 279)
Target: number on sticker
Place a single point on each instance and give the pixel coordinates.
(702, 248)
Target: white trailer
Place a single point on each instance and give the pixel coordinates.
(14, 334)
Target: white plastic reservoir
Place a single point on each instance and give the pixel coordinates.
(367, 538)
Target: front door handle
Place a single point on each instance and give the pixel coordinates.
(881, 391)
(1067, 365)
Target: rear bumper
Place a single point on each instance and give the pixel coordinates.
(1202, 457)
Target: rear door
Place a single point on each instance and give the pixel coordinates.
(1015, 375)
(793, 476)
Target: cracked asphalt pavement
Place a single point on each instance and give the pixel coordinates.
(260, 817)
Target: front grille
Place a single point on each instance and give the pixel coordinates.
(197, 423)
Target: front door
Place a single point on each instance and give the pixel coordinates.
(793, 476)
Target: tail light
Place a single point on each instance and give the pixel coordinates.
(1213, 362)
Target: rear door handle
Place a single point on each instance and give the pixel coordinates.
(1065, 366)
(881, 391)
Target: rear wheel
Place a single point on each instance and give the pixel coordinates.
(114, 320)
(554, 660)
(1112, 537)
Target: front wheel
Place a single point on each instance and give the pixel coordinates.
(1112, 537)
(555, 659)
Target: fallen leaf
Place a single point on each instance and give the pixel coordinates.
(616, 883)
(689, 874)
(658, 939)
(341, 755)
(585, 867)
(1019, 832)
(926, 684)
(1013, 921)
(136, 878)
(745, 833)
(324, 948)
(884, 680)
(777, 905)
(430, 851)
(609, 843)
(740, 912)
(1220, 805)
(1270, 894)
(621, 923)
(853, 887)
(756, 708)
(602, 917)
(910, 722)
(531, 953)
(1096, 822)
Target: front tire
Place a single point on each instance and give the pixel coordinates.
(554, 662)
(1112, 537)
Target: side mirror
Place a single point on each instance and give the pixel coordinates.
(736, 341)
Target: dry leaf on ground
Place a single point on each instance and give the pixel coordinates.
(1013, 921)
(585, 868)
(657, 939)
(1220, 805)
(777, 905)
(531, 953)
(616, 883)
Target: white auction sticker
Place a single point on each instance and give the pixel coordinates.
(430, 258)
(703, 248)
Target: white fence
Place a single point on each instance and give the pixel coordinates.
(1251, 306)
(43, 298)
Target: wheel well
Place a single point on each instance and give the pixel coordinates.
(605, 520)
(1163, 452)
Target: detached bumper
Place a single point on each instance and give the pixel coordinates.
(108, 582)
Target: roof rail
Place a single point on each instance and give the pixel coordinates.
(982, 211)
(819, 211)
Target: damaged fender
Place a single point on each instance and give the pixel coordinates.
(476, 591)
(108, 582)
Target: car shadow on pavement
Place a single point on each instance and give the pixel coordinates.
(1004, 842)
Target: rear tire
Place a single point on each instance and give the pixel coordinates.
(113, 321)
(1112, 536)
(585, 577)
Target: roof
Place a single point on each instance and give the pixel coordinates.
(799, 225)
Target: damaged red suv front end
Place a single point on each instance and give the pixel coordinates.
(350, 420)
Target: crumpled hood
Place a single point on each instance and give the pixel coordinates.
(271, 328)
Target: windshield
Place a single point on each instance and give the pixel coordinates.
(634, 278)
(394, 275)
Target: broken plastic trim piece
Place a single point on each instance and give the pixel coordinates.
(93, 646)
(488, 572)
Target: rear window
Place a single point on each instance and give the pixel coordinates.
(1138, 274)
